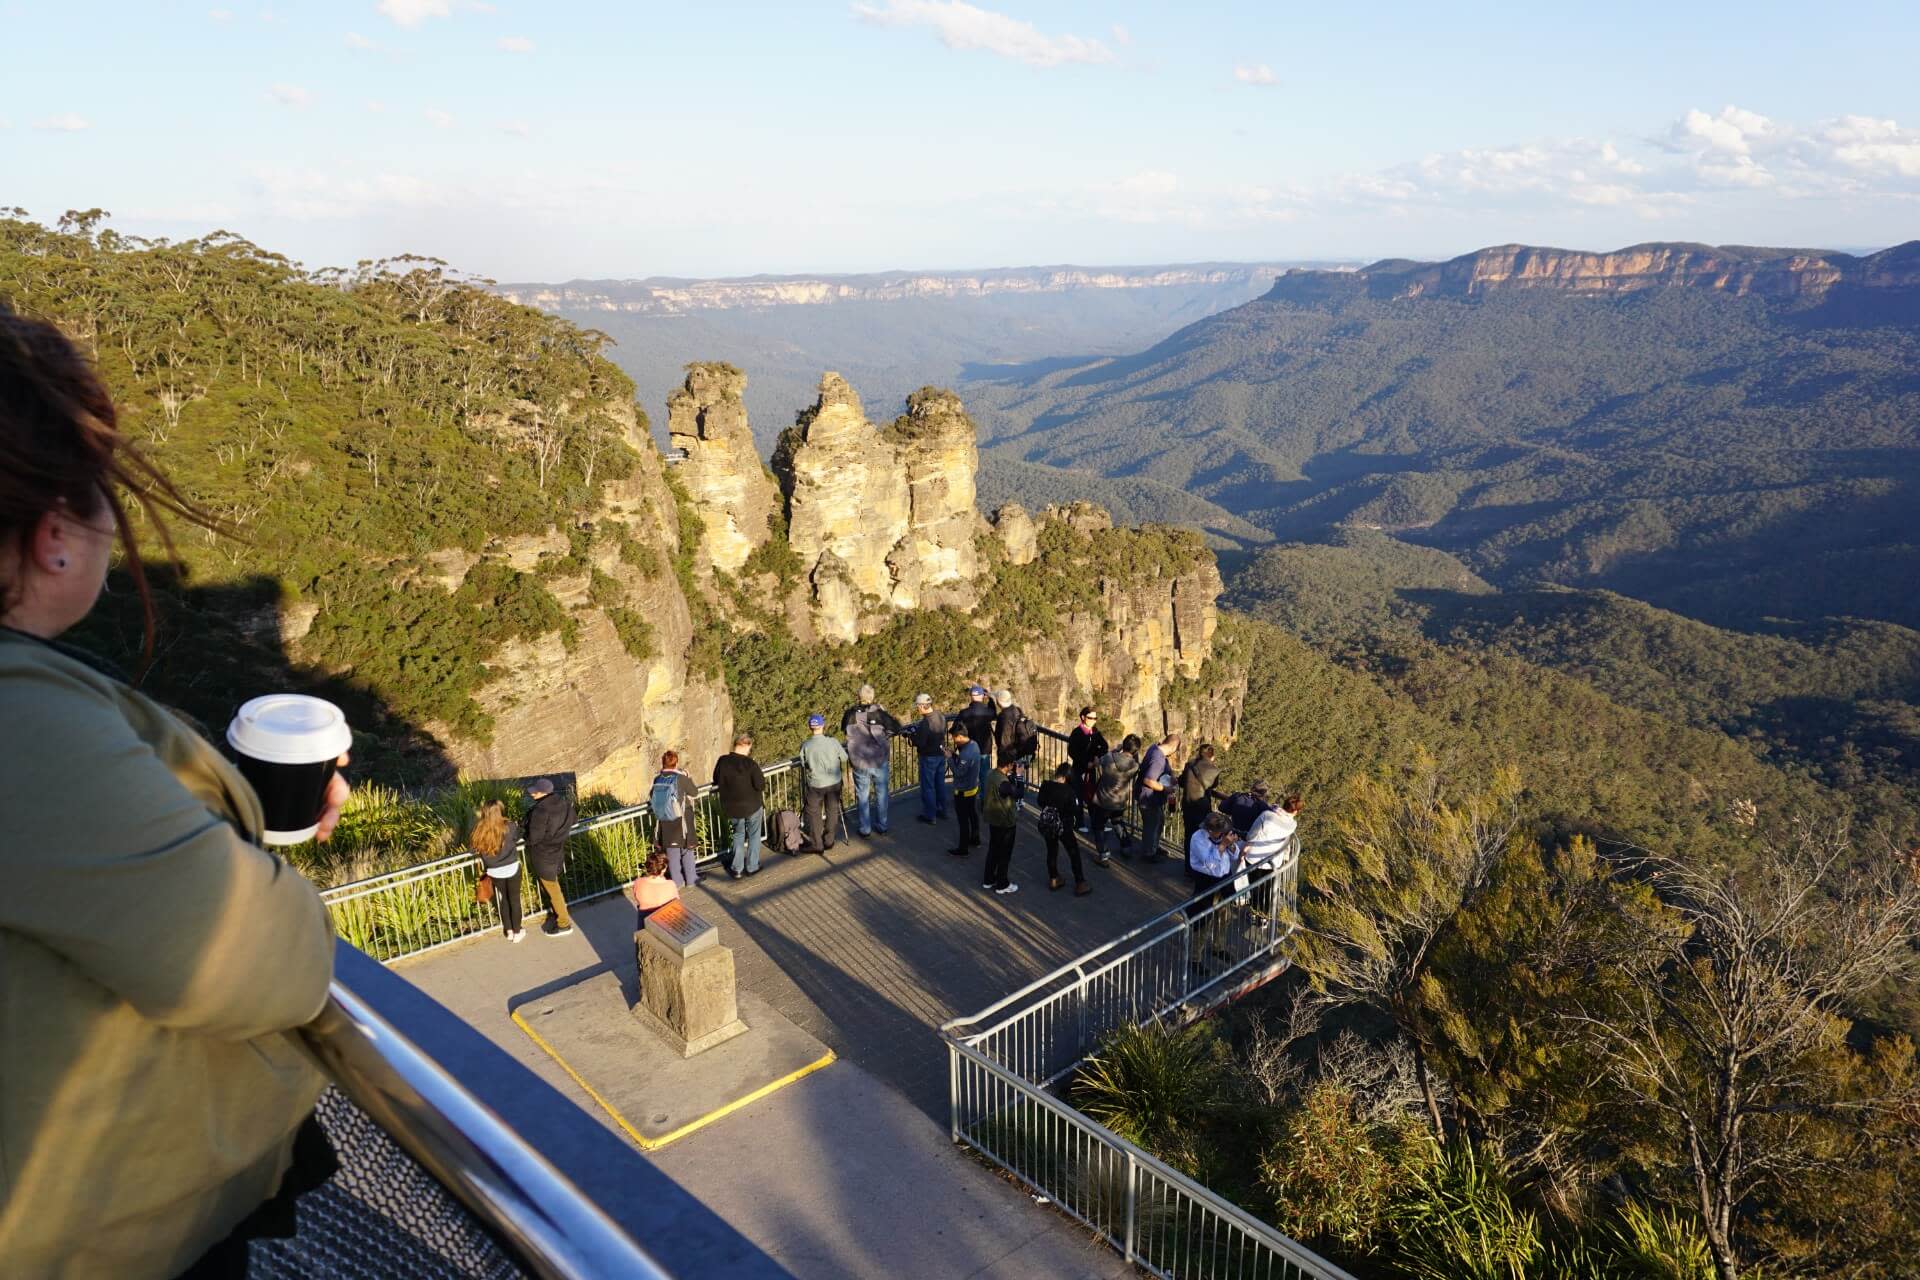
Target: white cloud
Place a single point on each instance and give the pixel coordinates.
(357, 41)
(220, 15)
(311, 193)
(518, 128)
(289, 95)
(439, 119)
(1122, 36)
(65, 122)
(411, 13)
(1874, 146)
(514, 44)
(965, 27)
(1261, 75)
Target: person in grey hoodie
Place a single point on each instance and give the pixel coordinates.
(870, 731)
(823, 770)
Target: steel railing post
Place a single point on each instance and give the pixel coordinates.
(1133, 1199)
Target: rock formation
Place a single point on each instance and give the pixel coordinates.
(1771, 273)
(880, 520)
(597, 711)
(721, 471)
(1017, 532)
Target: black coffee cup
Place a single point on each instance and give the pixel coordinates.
(286, 745)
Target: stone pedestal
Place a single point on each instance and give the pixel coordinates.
(686, 981)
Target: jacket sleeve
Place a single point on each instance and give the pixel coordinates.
(124, 873)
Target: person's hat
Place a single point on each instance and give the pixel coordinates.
(540, 787)
(816, 722)
(977, 691)
(1004, 697)
(922, 699)
(866, 693)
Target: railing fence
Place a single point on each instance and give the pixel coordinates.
(1003, 1061)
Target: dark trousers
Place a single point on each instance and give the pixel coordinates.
(823, 804)
(1054, 844)
(506, 896)
(1099, 821)
(999, 855)
(966, 812)
(1153, 819)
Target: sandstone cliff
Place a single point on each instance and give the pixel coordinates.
(880, 520)
(721, 471)
(1770, 273)
(597, 710)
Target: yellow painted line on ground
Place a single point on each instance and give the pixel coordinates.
(653, 1144)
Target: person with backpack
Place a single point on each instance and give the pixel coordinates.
(496, 842)
(869, 731)
(928, 733)
(1197, 791)
(1001, 794)
(1115, 776)
(1156, 789)
(1057, 804)
(548, 823)
(967, 768)
(672, 797)
(823, 771)
(742, 788)
(979, 715)
(1016, 738)
(1085, 745)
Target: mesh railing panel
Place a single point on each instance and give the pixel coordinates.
(380, 1217)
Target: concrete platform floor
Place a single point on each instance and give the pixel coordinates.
(870, 947)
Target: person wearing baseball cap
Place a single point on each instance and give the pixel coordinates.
(548, 822)
(823, 771)
(929, 735)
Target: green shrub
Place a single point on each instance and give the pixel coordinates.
(1460, 1221)
(1157, 1088)
(1334, 1178)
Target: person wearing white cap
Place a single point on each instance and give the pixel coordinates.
(929, 735)
(870, 730)
(1015, 736)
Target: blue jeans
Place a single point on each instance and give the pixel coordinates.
(933, 787)
(874, 784)
(747, 835)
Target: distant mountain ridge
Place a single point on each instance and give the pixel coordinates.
(1735, 269)
(668, 295)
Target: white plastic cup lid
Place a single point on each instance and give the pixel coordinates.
(289, 728)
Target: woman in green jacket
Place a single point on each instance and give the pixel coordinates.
(153, 956)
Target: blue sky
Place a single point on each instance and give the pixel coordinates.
(559, 140)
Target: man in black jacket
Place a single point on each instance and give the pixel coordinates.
(929, 735)
(548, 822)
(978, 715)
(1014, 738)
(1085, 745)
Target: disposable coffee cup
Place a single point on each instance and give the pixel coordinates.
(286, 745)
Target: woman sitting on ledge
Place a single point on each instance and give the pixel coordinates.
(653, 888)
(154, 1112)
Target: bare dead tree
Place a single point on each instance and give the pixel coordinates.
(1732, 1026)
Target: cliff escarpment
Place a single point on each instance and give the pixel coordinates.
(1733, 269)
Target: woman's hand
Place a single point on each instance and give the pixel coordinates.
(337, 792)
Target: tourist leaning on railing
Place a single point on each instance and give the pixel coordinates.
(1267, 838)
(153, 956)
(496, 842)
(548, 823)
(673, 798)
(742, 788)
(1156, 787)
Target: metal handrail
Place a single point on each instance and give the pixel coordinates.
(553, 1228)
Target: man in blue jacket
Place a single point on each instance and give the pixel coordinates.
(966, 791)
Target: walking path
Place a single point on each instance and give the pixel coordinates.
(849, 1171)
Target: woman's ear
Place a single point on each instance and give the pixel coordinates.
(49, 544)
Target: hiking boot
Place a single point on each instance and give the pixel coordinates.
(1056, 883)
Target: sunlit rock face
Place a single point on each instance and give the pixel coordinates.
(721, 471)
(597, 711)
(880, 519)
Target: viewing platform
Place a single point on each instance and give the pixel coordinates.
(869, 948)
